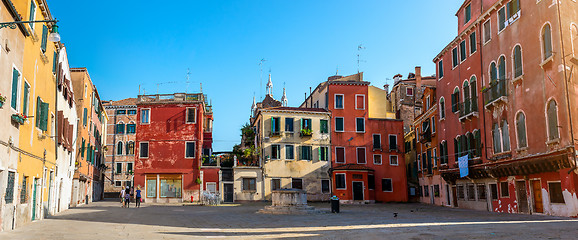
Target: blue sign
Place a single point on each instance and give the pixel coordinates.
(463, 163)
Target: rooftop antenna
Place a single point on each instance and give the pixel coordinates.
(337, 70)
(201, 87)
(158, 84)
(359, 48)
(261, 77)
(188, 77)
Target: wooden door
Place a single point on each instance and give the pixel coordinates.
(357, 191)
(522, 196)
(228, 192)
(537, 192)
(455, 196)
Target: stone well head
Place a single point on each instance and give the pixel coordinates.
(289, 197)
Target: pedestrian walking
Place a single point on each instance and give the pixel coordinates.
(122, 193)
(138, 197)
(127, 197)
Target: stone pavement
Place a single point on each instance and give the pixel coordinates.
(106, 220)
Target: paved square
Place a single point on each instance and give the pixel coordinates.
(106, 220)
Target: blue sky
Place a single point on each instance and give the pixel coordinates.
(125, 44)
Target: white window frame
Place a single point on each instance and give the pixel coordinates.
(116, 172)
(344, 181)
(141, 116)
(342, 101)
(343, 126)
(373, 139)
(374, 163)
(357, 126)
(388, 141)
(18, 90)
(148, 149)
(470, 40)
(279, 155)
(427, 103)
(187, 116)
(442, 99)
(460, 51)
(435, 157)
(390, 162)
(33, 17)
(357, 95)
(406, 93)
(344, 155)
(211, 183)
(194, 149)
(457, 56)
(357, 154)
(433, 125)
(506, 19)
(391, 185)
(441, 62)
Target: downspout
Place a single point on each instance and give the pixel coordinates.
(566, 86)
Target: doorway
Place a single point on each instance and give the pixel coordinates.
(455, 196)
(34, 200)
(522, 196)
(358, 191)
(228, 192)
(537, 196)
(432, 197)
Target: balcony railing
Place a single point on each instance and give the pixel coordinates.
(496, 92)
(468, 108)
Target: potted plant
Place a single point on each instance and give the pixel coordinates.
(19, 118)
(306, 132)
(2, 100)
(198, 181)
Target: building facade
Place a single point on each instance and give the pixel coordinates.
(169, 143)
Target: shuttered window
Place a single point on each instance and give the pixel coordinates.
(14, 99)
(339, 124)
(32, 13)
(497, 142)
(493, 72)
(455, 60)
(289, 124)
(518, 61)
(502, 68)
(25, 98)
(324, 128)
(441, 69)
(505, 136)
(463, 53)
(323, 153)
(552, 113)
(361, 156)
(41, 114)
(9, 197)
(547, 41)
(340, 155)
(502, 19)
(473, 43)
(84, 116)
(521, 130)
(44, 38)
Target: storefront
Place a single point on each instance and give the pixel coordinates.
(163, 186)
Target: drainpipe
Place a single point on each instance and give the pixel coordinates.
(566, 87)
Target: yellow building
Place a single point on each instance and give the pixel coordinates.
(36, 162)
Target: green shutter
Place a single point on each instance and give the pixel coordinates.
(320, 153)
(32, 13)
(38, 111)
(54, 62)
(272, 125)
(44, 38)
(14, 100)
(82, 148)
(44, 117)
(25, 99)
(84, 116)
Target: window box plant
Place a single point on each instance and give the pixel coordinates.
(306, 132)
(19, 118)
(2, 100)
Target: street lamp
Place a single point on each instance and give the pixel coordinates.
(53, 37)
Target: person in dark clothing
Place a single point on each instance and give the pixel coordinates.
(138, 197)
(127, 197)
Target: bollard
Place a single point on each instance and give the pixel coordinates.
(191, 198)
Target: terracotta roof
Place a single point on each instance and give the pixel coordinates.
(298, 109)
(123, 102)
(349, 167)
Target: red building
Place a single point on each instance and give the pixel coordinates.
(367, 156)
(173, 138)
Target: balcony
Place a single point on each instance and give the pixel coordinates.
(468, 109)
(496, 93)
(425, 137)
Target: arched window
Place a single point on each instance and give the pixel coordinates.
(120, 128)
(546, 41)
(502, 68)
(130, 148)
(497, 138)
(456, 148)
(505, 136)
(474, 95)
(455, 99)
(466, 96)
(471, 143)
(521, 130)
(517, 56)
(574, 32)
(131, 127)
(119, 148)
(552, 113)
(493, 72)
(442, 108)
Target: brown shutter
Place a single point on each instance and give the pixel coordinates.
(60, 127)
(65, 132)
(70, 134)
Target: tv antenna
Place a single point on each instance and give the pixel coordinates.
(359, 48)
(158, 84)
(188, 77)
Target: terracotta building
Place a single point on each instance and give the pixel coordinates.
(170, 142)
(367, 158)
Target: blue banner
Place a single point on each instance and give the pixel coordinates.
(463, 163)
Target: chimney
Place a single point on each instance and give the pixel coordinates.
(386, 87)
(418, 78)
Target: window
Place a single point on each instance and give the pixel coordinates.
(361, 156)
(471, 192)
(129, 168)
(289, 152)
(119, 148)
(41, 114)
(144, 150)
(393, 142)
(171, 188)
(24, 190)
(323, 153)
(306, 153)
(433, 124)
(441, 69)
(468, 14)
(120, 112)
(455, 100)
(151, 188)
(504, 190)
(191, 115)
(426, 191)
(493, 72)
(339, 155)
(521, 130)
(393, 160)
(517, 55)
(9, 197)
(502, 19)
(32, 15)
(131, 128)
(117, 183)
(386, 185)
(463, 53)
(487, 31)
(120, 128)
(376, 141)
(546, 42)
(552, 113)
(305, 124)
(409, 91)
(324, 126)
(339, 127)
(473, 44)
(130, 148)
(513, 9)
(132, 112)
(494, 191)
(496, 140)
(249, 184)
(359, 101)
(338, 101)
(289, 125)
(555, 192)
(442, 108)
(25, 99)
(15, 89)
(275, 184)
(44, 38)
(502, 68)
(275, 125)
(455, 61)
(325, 186)
(427, 102)
(460, 190)
(436, 190)
(275, 152)
(505, 136)
(84, 117)
(377, 159)
(371, 182)
(189, 149)
(145, 116)
(296, 183)
(360, 124)
(340, 181)
(481, 192)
